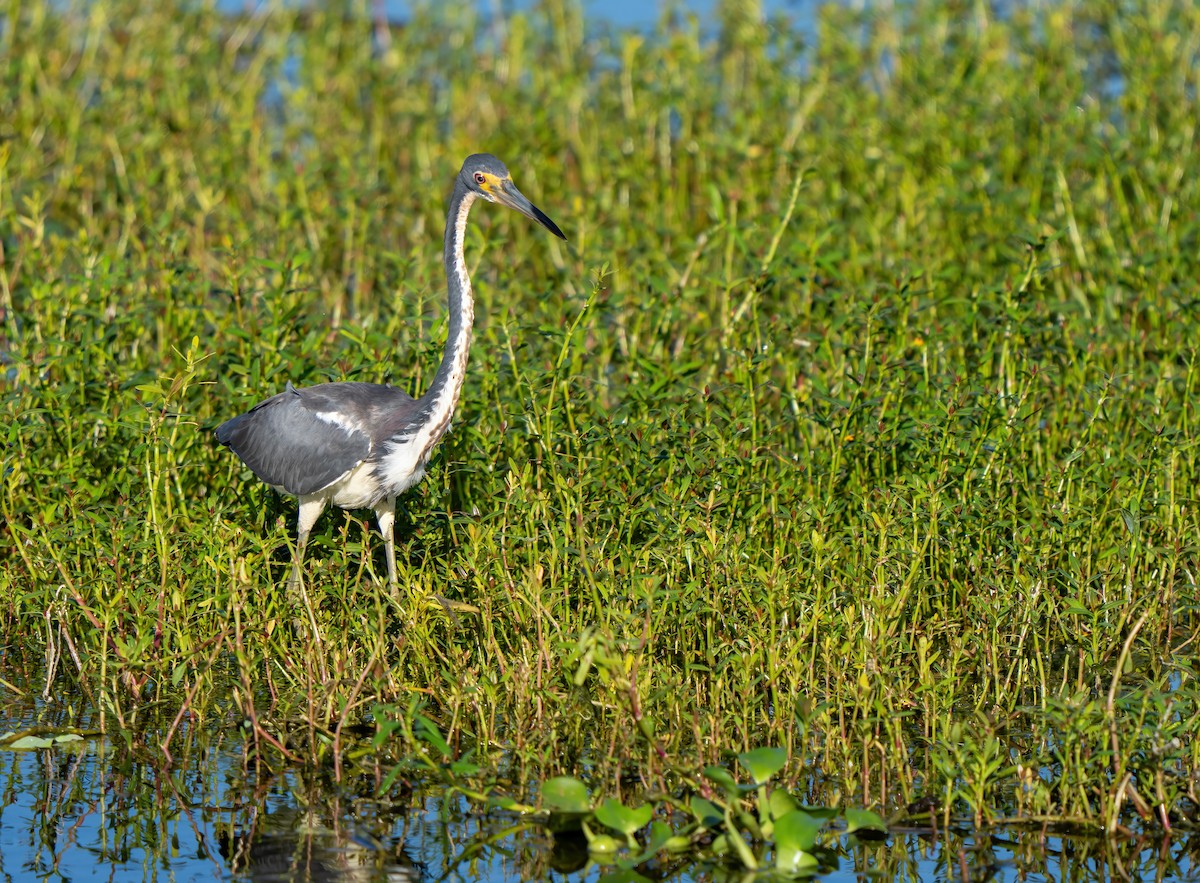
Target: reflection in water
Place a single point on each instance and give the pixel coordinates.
(213, 815)
(68, 810)
(305, 844)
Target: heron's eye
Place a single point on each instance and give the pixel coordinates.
(480, 178)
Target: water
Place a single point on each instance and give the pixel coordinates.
(636, 14)
(88, 810)
(631, 13)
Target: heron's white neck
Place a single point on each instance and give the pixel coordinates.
(443, 393)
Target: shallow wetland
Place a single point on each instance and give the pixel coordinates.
(67, 811)
(826, 506)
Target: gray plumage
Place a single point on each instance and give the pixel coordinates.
(265, 436)
(360, 445)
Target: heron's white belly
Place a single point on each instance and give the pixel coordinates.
(357, 489)
(370, 481)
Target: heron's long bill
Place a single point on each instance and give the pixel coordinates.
(510, 196)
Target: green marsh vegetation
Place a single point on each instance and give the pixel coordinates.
(857, 419)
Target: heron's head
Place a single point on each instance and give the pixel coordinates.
(485, 175)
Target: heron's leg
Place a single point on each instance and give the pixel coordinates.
(311, 508)
(385, 511)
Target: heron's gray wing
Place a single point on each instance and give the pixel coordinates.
(303, 440)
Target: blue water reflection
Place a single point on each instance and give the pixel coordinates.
(76, 813)
(617, 13)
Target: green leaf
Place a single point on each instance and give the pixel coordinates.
(386, 727)
(795, 861)
(797, 831)
(427, 731)
(660, 835)
(1074, 607)
(763, 763)
(33, 741)
(617, 816)
(781, 803)
(721, 776)
(721, 845)
(795, 835)
(566, 794)
(602, 844)
(864, 820)
(678, 843)
(707, 813)
(1131, 522)
(390, 779)
(732, 842)
(29, 743)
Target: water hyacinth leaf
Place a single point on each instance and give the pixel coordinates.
(781, 803)
(28, 743)
(663, 836)
(796, 863)
(795, 835)
(678, 843)
(796, 831)
(660, 835)
(721, 845)
(707, 813)
(34, 741)
(566, 794)
(718, 775)
(617, 816)
(859, 821)
(603, 844)
(762, 763)
(808, 866)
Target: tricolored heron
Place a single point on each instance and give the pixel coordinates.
(360, 445)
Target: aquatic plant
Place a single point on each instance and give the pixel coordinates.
(860, 421)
